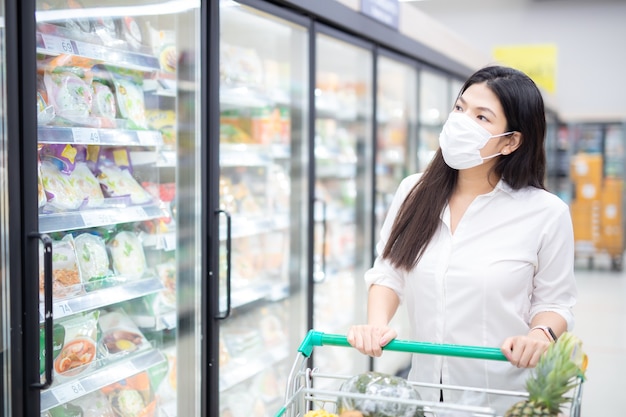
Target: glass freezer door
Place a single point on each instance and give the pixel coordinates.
(263, 191)
(4, 234)
(396, 139)
(343, 193)
(118, 159)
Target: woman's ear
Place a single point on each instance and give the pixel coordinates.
(512, 143)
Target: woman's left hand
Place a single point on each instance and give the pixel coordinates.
(524, 351)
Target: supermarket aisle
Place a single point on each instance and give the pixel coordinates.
(601, 324)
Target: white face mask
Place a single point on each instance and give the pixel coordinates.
(461, 140)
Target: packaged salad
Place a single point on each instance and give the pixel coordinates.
(69, 94)
(127, 254)
(103, 104)
(93, 258)
(118, 182)
(88, 185)
(130, 99)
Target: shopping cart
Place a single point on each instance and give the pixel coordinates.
(301, 395)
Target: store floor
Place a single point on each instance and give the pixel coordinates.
(601, 324)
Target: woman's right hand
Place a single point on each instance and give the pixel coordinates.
(369, 339)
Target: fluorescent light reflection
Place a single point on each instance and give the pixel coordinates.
(167, 7)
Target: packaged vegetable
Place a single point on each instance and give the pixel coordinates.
(132, 397)
(60, 192)
(88, 185)
(130, 99)
(103, 104)
(79, 347)
(376, 384)
(66, 279)
(131, 32)
(93, 258)
(118, 182)
(127, 254)
(69, 94)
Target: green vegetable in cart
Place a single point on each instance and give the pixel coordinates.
(382, 390)
(555, 375)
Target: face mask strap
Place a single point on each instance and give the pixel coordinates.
(503, 134)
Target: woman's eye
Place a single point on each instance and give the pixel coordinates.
(458, 108)
(483, 118)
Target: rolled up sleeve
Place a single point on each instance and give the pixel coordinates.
(382, 272)
(554, 282)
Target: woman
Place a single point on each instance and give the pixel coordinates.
(480, 253)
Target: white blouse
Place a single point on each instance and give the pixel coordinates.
(510, 257)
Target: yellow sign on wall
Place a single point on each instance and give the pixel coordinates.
(537, 61)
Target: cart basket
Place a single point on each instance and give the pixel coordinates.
(301, 396)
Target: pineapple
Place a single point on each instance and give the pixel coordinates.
(555, 374)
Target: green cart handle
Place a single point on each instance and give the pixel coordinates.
(315, 338)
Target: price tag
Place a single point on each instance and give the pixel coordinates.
(148, 137)
(130, 214)
(169, 321)
(99, 217)
(59, 45)
(68, 392)
(169, 241)
(85, 135)
(87, 49)
(61, 309)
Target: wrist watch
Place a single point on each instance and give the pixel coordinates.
(548, 331)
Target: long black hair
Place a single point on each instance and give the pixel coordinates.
(418, 217)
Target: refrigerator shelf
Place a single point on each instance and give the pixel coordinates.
(251, 226)
(59, 43)
(252, 154)
(71, 390)
(55, 222)
(103, 297)
(247, 366)
(94, 136)
(252, 293)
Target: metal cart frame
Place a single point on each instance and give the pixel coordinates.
(301, 396)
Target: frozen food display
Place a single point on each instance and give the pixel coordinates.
(119, 335)
(132, 397)
(108, 116)
(60, 192)
(93, 259)
(78, 353)
(127, 255)
(69, 94)
(66, 278)
(87, 184)
(118, 182)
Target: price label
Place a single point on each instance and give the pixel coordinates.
(87, 49)
(99, 217)
(59, 45)
(168, 321)
(68, 392)
(148, 137)
(62, 309)
(169, 241)
(130, 214)
(85, 135)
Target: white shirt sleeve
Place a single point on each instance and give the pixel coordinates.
(382, 272)
(554, 286)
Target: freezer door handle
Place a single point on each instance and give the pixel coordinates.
(48, 318)
(226, 313)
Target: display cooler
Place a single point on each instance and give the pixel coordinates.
(187, 187)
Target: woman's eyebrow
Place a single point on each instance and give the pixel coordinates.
(485, 109)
